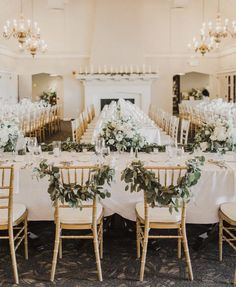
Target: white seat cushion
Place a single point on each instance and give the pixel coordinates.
(229, 209)
(18, 211)
(159, 214)
(77, 215)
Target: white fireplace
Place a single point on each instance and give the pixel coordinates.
(138, 90)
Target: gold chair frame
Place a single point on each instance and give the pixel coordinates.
(143, 225)
(96, 226)
(225, 234)
(7, 195)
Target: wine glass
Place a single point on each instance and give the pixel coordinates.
(32, 144)
(98, 146)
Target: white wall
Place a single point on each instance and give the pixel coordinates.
(194, 80)
(73, 100)
(25, 86)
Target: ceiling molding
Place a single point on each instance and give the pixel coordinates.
(55, 56)
(181, 55)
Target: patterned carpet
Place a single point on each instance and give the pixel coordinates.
(120, 267)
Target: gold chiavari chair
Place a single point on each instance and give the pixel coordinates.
(185, 124)
(73, 128)
(90, 217)
(12, 217)
(174, 128)
(227, 213)
(93, 111)
(159, 217)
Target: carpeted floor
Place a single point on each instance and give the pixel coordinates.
(65, 133)
(120, 267)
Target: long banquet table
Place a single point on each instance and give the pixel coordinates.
(216, 185)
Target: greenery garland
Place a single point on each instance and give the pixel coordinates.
(75, 194)
(138, 178)
(69, 146)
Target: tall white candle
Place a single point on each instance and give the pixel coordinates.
(105, 69)
(144, 69)
(91, 69)
(111, 69)
(131, 69)
(99, 69)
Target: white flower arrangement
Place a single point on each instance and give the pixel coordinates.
(9, 133)
(122, 134)
(218, 134)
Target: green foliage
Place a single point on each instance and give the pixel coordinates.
(75, 194)
(138, 178)
(69, 146)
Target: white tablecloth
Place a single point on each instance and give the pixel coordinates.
(217, 185)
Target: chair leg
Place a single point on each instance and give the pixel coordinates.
(235, 276)
(144, 253)
(96, 250)
(55, 252)
(179, 244)
(221, 239)
(101, 239)
(60, 249)
(138, 237)
(26, 238)
(186, 251)
(13, 255)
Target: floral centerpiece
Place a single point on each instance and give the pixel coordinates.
(122, 133)
(215, 136)
(9, 133)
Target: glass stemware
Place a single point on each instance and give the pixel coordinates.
(32, 144)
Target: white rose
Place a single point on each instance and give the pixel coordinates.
(111, 141)
(203, 146)
(119, 137)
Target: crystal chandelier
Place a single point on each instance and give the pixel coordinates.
(206, 43)
(34, 44)
(26, 32)
(221, 29)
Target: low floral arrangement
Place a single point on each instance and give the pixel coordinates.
(9, 133)
(122, 134)
(75, 194)
(197, 94)
(215, 136)
(138, 178)
(70, 146)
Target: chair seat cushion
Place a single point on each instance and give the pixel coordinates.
(18, 211)
(229, 209)
(159, 214)
(77, 215)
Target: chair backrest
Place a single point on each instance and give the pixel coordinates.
(167, 175)
(174, 128)
(71, 176)
(6, 191)
(185, 124)
(73, 127)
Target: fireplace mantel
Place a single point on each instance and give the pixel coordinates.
(137, 89)
(116, 76)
